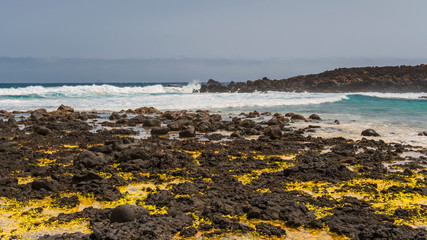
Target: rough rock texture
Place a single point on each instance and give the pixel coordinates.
(364, 79)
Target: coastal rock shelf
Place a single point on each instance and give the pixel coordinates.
(366, 79)
(135, 175)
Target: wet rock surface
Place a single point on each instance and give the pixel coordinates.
(193, 181)
(369, 133)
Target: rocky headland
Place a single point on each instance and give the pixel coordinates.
(363, 79)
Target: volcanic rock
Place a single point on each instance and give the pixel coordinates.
(36, 116)
(69, 202)
(314, 117)
(65, 109)
(369, 133)
(114, 116)
(42, 130)
(188, 232)
(274, 132)
(46, 184)
(159, 130)
(270, 230)
(152, 122)
(190, 131)
(127, 213)
(12, 122)
(147, 110)
(214, 86)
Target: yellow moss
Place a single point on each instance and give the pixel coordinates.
(155, 210)
(48, 151)
(116, 166)
(263, 190)
(320, 212)
(194, 154)
(24, 220)
(45, 161)
(70, 146)
(183, 195)
(315, 188)
(126, 175)
(246, 178)
(249, 177)
(383, 201)
(105, 175)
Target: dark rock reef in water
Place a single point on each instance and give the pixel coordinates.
(364, 79)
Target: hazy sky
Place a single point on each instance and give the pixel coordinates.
(236, 29)
(182, 40)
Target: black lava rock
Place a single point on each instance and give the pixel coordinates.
(127, 213)
(268, 229)
(370, 133)
(46, 184)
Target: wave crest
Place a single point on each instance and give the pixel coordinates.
(407, 96)
(94, 90)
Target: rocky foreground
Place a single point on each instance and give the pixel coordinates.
(76, 175)
(365, 79)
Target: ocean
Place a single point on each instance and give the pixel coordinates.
(397, 117)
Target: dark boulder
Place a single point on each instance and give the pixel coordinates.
(314, 117)
(270, 230)
(68, 202)
(254, 114)
(188, 232)
(152, 122)
(190, 131)
(159, 130)
(423, 133)
(65, 109)
(297, 117)
(147, 110)
(278, 120)
(46, 184)
(215, 136)
(274, 132)
(12, 122)
(89, 159)
(173, 126)
(296, 214)
(114, 116)
(370, 133)
(36, 116)
(42, 130)
(127, 213)
(214, 86)
(235, 134)
(86, 177)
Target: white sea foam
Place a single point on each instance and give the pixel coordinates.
(410, 96)
(95, 90)
(108, 97)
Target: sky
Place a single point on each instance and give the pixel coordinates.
(238, 30)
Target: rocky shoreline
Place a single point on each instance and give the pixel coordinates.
(364, 79)
(147, 174)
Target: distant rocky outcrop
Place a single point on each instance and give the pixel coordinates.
(366, 79)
